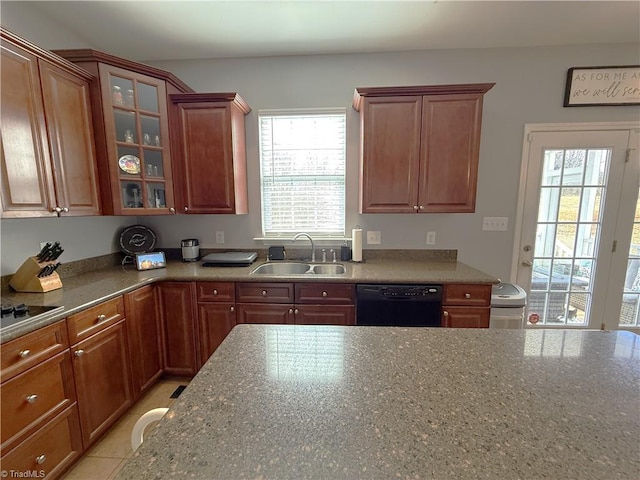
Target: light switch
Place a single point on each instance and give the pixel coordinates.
(219, 237)
(431, 238)
(495, 224)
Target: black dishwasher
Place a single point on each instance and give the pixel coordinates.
(399, 305)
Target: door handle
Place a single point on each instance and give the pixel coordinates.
(527, 263)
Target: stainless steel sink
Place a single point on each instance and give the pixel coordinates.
(329, 269)
(298, 268)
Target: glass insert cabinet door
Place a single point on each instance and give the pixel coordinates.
(136, 123)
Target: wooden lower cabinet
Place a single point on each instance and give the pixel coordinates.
(216, 315)
(40, 426)
(36, 396)
(466, 305)
(300, 303)
(215, 321)
(178, 313)
(103, 380)
(466, 317)
(49, 451)
(274, 313)
(144, 336)
(325, 315)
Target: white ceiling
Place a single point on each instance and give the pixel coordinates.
(164, 30)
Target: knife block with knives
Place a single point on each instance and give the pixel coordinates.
(37, 274)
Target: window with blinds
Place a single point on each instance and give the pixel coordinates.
(302, 166)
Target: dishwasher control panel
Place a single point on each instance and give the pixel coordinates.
(402, 291)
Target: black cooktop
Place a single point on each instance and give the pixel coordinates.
(12, 315)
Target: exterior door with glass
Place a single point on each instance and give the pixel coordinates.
(577, 222)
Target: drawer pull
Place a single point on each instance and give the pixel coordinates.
(101, 318)
(40, 459)
(233, 309)
(78, 353)
(325, 294)
(467, 295)
(24, 353)
(264, 293)
(32, 398)
(215, 292)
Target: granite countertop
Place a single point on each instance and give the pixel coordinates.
(323, 402)
(89, 289)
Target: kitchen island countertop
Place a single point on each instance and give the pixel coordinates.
(321, 402)
(89, 289)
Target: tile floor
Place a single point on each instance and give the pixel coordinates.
(105, 458)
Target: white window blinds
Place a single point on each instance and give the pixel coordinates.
(302, 166)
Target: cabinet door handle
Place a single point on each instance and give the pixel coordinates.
(40, 459)
(264, 293)
(445, 313)
(233, 309)
(172, 210)
(215, 292)
(296, 311)
(24, 353)
(421, 207)
(325, 294)
(290, 310)
(32, 398)
(56, 209)
(415, 207)
(186, 209)
(78, 353)
(65, 209)
(467, 295)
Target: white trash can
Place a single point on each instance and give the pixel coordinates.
(507, 306)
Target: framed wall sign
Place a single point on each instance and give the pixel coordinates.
(591, 86)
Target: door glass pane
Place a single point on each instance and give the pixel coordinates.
(121, 89)
(568, 230)
(155, 195)
(131, 194)
(147, 97)
(630, 299)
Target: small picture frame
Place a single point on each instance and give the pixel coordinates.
(149, 261)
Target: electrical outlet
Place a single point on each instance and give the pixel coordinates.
(495, 224)
(219, 237)
(373, 238)
(431, 238)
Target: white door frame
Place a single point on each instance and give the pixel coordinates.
(530, 128)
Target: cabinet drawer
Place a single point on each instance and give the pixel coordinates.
(33, 397)
(50, 450)
(22, 353)
(216, 291)
(477, 295)
(264, 292)
(324, 293)
(86, 323)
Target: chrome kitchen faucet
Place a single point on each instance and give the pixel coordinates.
(313, 248)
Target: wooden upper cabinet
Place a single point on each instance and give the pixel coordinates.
(131, 120)
(211, 159)
(390, 154)
(419, 147)
(48, 153)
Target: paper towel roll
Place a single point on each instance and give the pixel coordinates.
(356, 244)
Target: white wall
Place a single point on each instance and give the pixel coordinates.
(529, 89)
